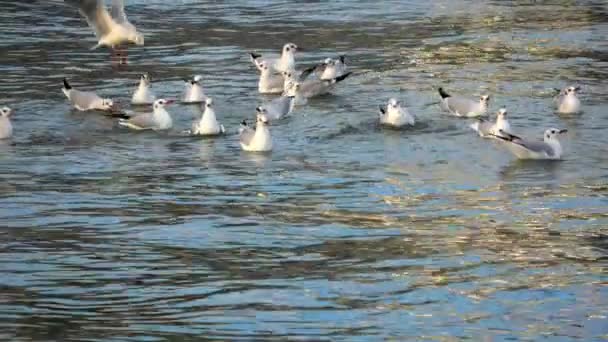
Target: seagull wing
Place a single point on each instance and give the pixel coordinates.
(143, 121)
(97, 16)
(246, 135)
(118, 11)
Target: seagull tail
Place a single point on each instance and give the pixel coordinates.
(382, 110)
(66, 85)
(443, 93)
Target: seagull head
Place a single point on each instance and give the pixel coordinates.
(290, 48)
(291, 88)
(5, 112)
(261, 117)
(393, 103)
(552, 133)
(161, 103)
(196, 79)
(572, 90)
(145, 78)
(501, 114)
(263, 66)
(209, 103)
(484, 99)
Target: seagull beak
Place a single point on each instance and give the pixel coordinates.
(563, 131)
(168, 102)
(577, 88)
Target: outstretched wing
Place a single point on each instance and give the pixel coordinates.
(96, 15)
(118, 11)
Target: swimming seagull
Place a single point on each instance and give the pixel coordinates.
(286, 62)
(311, 88)
(258, 140)
(567, 102)
(550, 148)
(86, 100)
(143, 95)
(194, 91)
(461, 106)
(395, 115)
(486, 128)
(270, 82)
(207, 124)
(158, 120)
(331, 68)
(293, 76)
(111, 28)
(6, 128)
(277, 108)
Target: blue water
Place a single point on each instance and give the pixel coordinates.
(346, 231)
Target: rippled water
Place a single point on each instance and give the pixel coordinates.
(346, 231)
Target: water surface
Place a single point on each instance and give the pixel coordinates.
(346, 231)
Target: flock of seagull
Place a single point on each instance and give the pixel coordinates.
(278, 75)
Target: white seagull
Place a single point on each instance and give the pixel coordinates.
(331, 68)
(550, 148)
(486, 128)
(258, 140)
(194, 91)
(311, 88)
(395, 115)
(86, 100)
(286, 62)
(567, 102)
(461, 106)
(207, 124)
(143, 95)
(111, 28)
(6, 128)
(270, 82)
(160, 119)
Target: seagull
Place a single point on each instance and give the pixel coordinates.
(294, 76)
(258, 140)
(486, 128)
(158, 120)
(194, 91)
(277, 108)
(143, 95)
(111, 28)
(567, 102)
(461, 106)
(395, 115)
(207, 124)
(86, 100)
(6, 128)
(286, 62)
(550, 148)
(270, 82)
(311, 88)
(331, 68)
